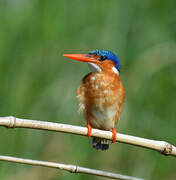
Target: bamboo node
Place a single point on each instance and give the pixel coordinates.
(167, 149)
(12, 122)
(73, 169)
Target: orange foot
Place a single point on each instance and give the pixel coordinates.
(114, 135)
(89, 128)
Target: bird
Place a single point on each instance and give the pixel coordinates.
(101, 93)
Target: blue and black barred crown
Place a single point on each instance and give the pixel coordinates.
(108, 54)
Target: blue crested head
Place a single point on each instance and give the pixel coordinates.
(105, 54)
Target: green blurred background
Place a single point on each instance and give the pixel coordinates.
(37, 82)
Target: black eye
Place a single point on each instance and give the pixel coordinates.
(102, 58)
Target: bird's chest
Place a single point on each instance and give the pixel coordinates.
(101, 90)
(102, 100)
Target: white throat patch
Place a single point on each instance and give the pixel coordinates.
(115, 70)
(94, 67)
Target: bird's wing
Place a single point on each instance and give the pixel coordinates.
(80, 96)
(120, 102)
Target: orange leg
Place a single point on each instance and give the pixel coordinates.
(89, 128)
(114, 135)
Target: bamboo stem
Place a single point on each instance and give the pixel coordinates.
(161, 146)
(69, 168)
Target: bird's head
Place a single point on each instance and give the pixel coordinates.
(99, 60)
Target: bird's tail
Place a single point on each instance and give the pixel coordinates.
(99, 143)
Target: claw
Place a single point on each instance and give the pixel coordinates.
(89, 128)
(114, 135)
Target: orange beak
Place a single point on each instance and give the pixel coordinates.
(82, 57)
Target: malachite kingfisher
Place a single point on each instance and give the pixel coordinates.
(101, 93)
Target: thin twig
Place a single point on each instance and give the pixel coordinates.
(161, 146)
(69, 167)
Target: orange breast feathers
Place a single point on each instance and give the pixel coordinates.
(101, 97)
